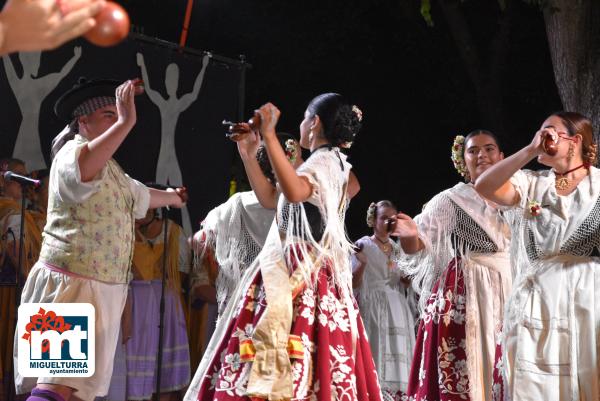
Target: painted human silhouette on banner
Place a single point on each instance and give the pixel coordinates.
(168, 171)
(198, 94)
(30, 90)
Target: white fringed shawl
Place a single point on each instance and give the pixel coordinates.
(236, 230)
(290, 238)
(454, 223)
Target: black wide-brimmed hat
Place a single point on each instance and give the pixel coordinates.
(83, 90)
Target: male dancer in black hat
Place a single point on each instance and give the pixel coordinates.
(88, 239)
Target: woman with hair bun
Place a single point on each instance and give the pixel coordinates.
(457, 256)
(384, 301)
(291, 329)
(552, 326)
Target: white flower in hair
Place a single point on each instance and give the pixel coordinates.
(358, 112)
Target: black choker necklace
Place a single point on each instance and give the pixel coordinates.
(327, 145)
(561, 182)
(382, 242)
(386, 247)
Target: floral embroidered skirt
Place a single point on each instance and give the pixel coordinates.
(329, 361)
(440, 369)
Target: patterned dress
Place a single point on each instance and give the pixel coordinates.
(385, 307)
(291, 329)
(464, 277)
(552, 329)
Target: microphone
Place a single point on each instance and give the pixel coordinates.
(10, 176)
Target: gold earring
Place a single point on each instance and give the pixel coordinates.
(571, 151)
(310, 135)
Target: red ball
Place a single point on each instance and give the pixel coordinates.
(112, 26)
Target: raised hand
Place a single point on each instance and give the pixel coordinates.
(28, 25)
(405, 227)
(543, 141)
(407, 232)
(125, 94)
(269, 115)
(248, 145)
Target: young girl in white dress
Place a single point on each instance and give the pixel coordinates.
(384, 302)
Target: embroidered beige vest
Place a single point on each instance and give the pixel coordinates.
(93, 238)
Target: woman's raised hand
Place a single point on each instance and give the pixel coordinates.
(537, 143)
(407, 232)
(405, 227)
(269, 116)
(248, 145)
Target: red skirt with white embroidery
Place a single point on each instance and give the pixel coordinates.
(439, 369)
(321, 348)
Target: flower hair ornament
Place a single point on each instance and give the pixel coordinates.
(358, 112)
(291, 151)
(458, 157)
(359, 116)
(371, 214)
